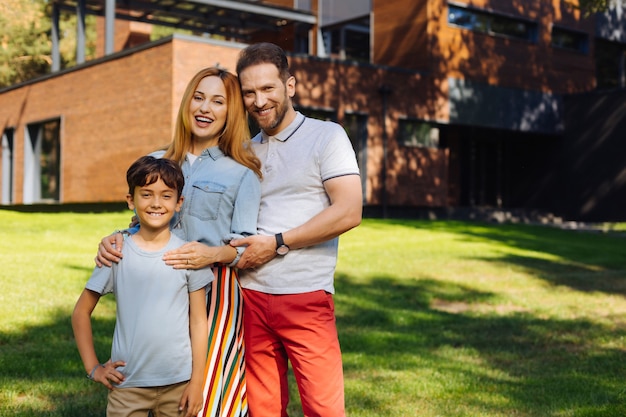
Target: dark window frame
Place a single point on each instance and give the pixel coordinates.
(349, 40)
(493, 24)
(418, 133)
(610, 64)
(580, 40)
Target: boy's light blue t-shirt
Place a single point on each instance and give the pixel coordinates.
(152, 324)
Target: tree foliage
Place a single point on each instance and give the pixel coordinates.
(25, 40)
(24, 43)
(590, 7)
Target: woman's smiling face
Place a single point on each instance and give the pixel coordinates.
(208, 109)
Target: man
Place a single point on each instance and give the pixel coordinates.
(310, 194)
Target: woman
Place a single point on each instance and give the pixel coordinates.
(221, 202)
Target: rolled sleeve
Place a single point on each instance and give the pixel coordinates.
(246, 209)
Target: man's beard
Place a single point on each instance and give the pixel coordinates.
(281, 111)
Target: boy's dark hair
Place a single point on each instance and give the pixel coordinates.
(148, 169)
(264, 53)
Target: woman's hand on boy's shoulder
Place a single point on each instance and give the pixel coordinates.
(193, 255)
(110, 250)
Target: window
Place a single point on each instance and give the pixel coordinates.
(349, 40)
(301, 39)
(356, 128)
(610, 64)
(320, 114)
(50, 161)
(302, 5)
(42, 162)
(7, 165)
(417, 133)
(571, 40)
(492, 24)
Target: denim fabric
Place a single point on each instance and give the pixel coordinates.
(221, 199)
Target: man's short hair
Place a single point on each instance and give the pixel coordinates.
(264, 53)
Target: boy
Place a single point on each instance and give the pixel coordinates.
(159, 344)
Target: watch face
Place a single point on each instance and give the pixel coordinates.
(282, 250)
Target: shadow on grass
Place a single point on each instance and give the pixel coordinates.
(559, 364)
(588, 261)
(577, 276)
(536, 364)
(42, 374)
(540, 367)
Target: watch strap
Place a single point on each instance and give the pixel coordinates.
(279, 240)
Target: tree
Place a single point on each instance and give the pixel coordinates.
(25, 41)
(590, 7)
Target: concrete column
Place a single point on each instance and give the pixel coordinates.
(109, 27)
(56, 53)
(80, 31)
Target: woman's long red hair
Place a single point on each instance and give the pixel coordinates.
(234, 140)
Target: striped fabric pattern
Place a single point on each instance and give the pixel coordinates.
(225, 385)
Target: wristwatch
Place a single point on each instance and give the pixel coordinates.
(281, 248)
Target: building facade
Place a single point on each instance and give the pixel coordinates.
(448, 104)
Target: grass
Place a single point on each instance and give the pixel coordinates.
(436, 318)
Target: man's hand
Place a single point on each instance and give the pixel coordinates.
(110, 250)
(259, 250)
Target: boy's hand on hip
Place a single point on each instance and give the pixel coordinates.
(107, 374)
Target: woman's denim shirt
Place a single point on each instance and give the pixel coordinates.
(221, 200)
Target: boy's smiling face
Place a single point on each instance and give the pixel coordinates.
(155, 204)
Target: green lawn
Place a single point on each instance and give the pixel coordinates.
(436, 318)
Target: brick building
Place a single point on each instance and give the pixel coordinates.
(449, 104)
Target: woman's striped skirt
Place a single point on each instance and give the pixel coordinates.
(225, 383)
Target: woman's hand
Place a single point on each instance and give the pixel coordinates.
(196, 255)
(110, 250)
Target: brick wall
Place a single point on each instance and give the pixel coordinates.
(110, 114)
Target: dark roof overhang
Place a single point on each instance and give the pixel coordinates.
(229, 18)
